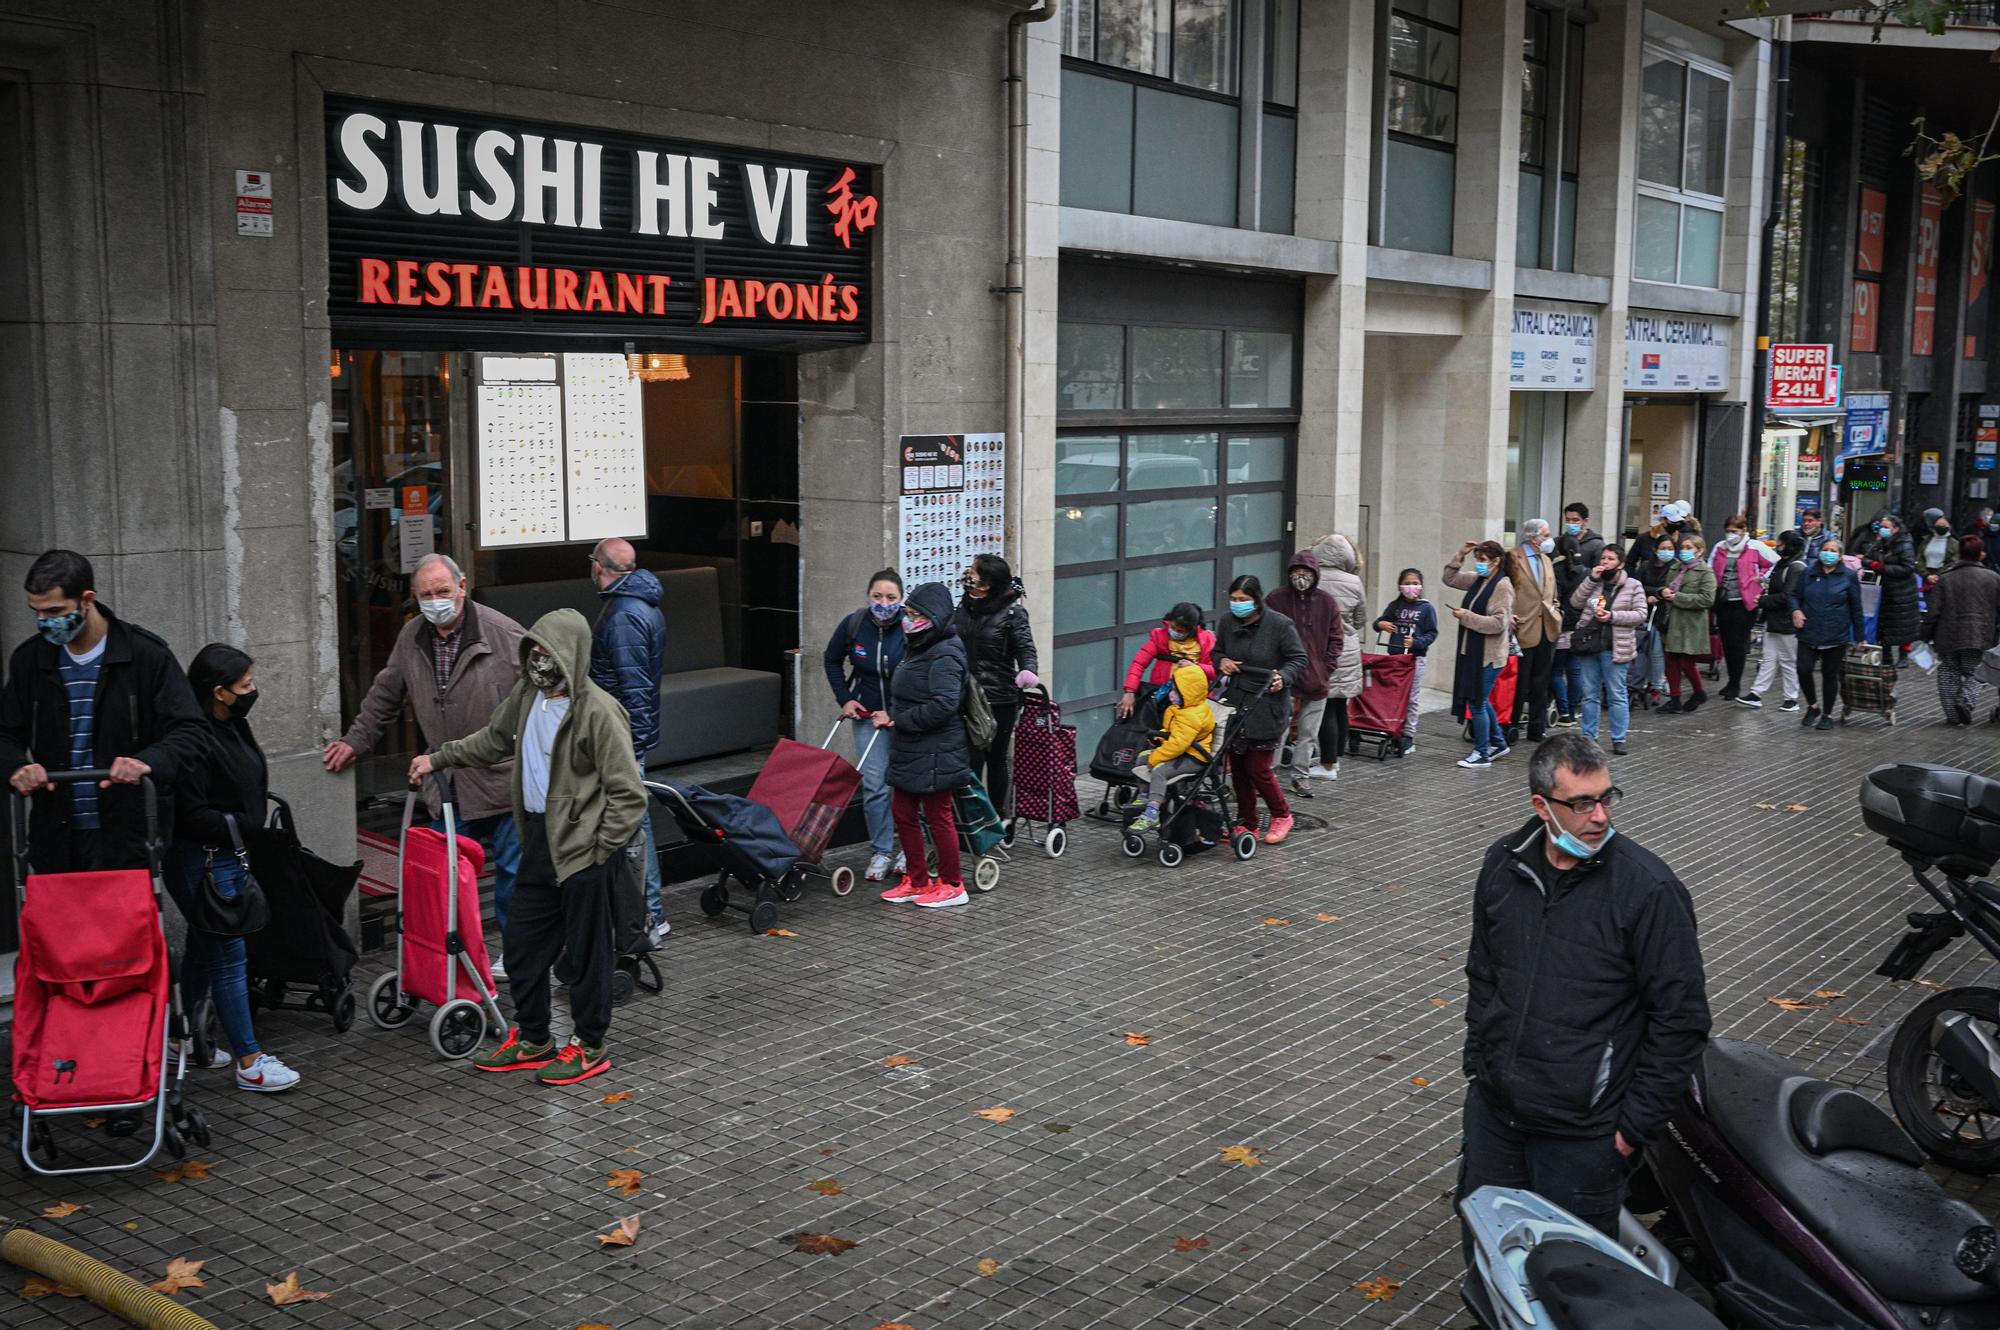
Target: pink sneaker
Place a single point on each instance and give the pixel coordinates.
(942, 895)
(907, 890)
(1281, 827)
(1240, 830)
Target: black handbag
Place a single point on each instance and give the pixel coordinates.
(229, 916)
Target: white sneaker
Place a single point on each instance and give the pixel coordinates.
(902, 865)
(266, 1075)
(1324, 773)
(878, 868)
(217, 1057)
(498, 966)
(658, 932)
(1474, 761)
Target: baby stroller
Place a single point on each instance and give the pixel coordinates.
(1194, 816)
(749, 844)
(305, 944)
(438, 960)
(96, 998)
(1119, 749)
(1378, 716)
(809, 788)
(1044, 770)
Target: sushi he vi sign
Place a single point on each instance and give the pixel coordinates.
(1803, 377)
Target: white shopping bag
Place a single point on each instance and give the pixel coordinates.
(1923, 657)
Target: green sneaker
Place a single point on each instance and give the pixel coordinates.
(575, 1063)
(1147, 820)
(513, 1055)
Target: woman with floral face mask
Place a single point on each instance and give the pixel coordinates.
(1483, 621)
(860, 659)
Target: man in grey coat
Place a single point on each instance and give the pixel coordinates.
(453, 664)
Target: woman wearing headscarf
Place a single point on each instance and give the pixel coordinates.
(1483, 621)
(1340, 577)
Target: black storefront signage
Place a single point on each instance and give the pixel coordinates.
(439, 223)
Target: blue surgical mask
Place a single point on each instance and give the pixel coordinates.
(885, 611)
(1545, 545)
(1572, 528)
(1573, 847)
(1685, 556)
(1664, 555)
(61, 629)
(1481, 568)
(1829, 557)
(1881, 530)
(1242, 609)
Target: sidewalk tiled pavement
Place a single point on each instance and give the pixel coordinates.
(424, 1194)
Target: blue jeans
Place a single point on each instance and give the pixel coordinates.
(1485, 723)
(1656, 660)
(212, 966)
(875, 786)
(655, 909)
(1567, 683)
(1601, 675)
(501, 840)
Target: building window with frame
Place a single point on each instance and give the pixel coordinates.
(1683, 153)
(1551, 123)
(1420, 125)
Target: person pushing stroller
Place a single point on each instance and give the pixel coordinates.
(578, 801)
(1184, 747)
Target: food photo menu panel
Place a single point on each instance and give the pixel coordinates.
(604, 431)
(562, 449)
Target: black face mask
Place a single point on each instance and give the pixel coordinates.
(240, 704)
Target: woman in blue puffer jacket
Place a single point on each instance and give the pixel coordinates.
(1828, 618)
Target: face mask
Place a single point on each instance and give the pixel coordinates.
(542, 671)
(438, 612)
(1242, 609)
(1572, 528)
(62, 628)
(1481, 568)
(240, 704)
(1942, 528)
(1735, 540)
(1302, 583)
(1829, 557)
(1570, 845)
(1880, 530)
(1178, 634)
(915, 623)
(1664, 556)
(1685, 556)
(1411, 590)
(884, 611)
(1545, 545)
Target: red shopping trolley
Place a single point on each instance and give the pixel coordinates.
(809, 789)
(1378, 716)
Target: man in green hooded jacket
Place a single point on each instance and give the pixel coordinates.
(577, 805)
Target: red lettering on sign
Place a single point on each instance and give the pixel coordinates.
(596, 296)
(435, 274)
(493, 295)
(631, 293)
(406, 281)
(807, 296)
(375, 282)
(533, 295)
(659, 282)
(465, 273)
(851, 213)
(566, 290)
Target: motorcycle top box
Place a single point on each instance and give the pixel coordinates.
(1941, 815)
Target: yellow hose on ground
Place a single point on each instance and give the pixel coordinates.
(119, 1294)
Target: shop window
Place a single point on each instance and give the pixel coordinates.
(1169, 526)
(1683, 168)
(1176, 368)
(1096, 142)
(1090, 366)
(1191, 42)
(1184, 158)
(1420, 121)
(1281, 64)
(1417, 197)
(1086, 464)
(1256, 457)
(1086, 535)
(1171, 462)
(1085, 603)
(1551, 122)
(1085, 669)
(1260, 370)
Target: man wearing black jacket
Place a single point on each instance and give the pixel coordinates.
(91, 690)
(1587, 1009)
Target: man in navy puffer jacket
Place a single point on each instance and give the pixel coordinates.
(627, 651)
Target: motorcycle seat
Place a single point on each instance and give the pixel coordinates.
(1939, 815)
(1844, 1169)
(1581, 1288)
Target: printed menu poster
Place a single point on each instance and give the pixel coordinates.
(952, 505)
(985, 499)
(520, 450)
(605, 437)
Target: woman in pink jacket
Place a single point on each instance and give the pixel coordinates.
(1179, 640)
(1740, 568)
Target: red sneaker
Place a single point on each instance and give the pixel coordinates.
(942, 895)
(906, 890)
(1281, 827)
(1240, 830)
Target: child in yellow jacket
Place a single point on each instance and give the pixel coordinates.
(1189, 725)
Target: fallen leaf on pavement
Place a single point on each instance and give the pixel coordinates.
(593, 1325)
(1827, 993)
(1796, 808)
(92, 1124)
(825, 1187)
(1397, 886)
(38, 1287)
(626, 1180)
(1771, 807)
(623, 1235)
(1190, 1244)
(998, 1113)
(132, 1227)
(1057, 1127)
(1793, 1004)
(181, 1273)
(1136, 1040)
(1929, 984)
(289, 1292)
(818, 1244)
(826, 1152)
(1277, 923)
(1440, 1002)
(622, 1097)
(900, 1060)
(779, 932)
(61, 1210)
(1379, 1289)
(1419, 1082)
(1844, 1019)
(1326, 918)
(895, 1325)
(1240, 1154)
(194, 1170)
(988, 1267)
(1384, 1057)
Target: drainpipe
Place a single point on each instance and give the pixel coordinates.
(1781, 124)
(1014, 285)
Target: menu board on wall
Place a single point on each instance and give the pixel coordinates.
(985, 494)
(953, 504)
(520, 450)
(604, 434)
(562, 449)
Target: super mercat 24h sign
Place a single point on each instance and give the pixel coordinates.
(436, 218)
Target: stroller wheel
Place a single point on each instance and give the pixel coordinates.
(843, 881)
(1057, 841)
(175, 1143)
(986, 873)
(714, 900)
(387, 1007)
(763, 917)
(648, 975)
(457, 1028)
(1245, 845)
(623, 983)
(792, 887)
(1134, 845)
(1170, 855)
(343, 1011)
(196, 1127)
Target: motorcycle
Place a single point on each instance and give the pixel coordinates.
(1538, 1267)
(1944, 1063)
(1798, 1203)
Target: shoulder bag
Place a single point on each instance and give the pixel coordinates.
(240, 915)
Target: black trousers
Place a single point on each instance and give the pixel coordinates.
(1732, 624)
(1585, 1177)
(1333, 731)
(1832, 662)
(547, 918)
(1531, 688)
(995, 768)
